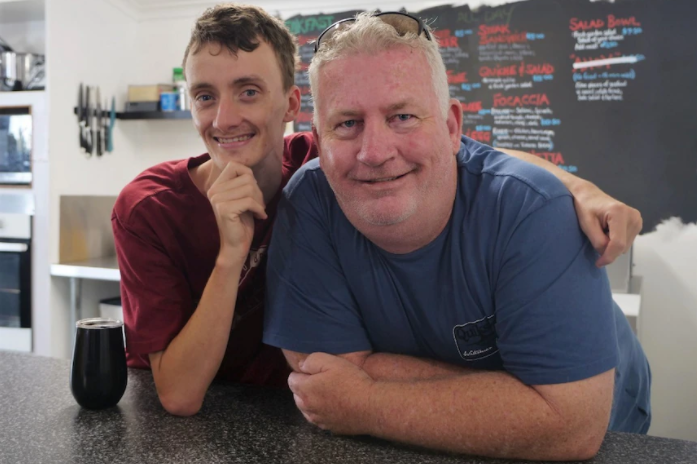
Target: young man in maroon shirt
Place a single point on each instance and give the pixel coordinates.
(191, 235)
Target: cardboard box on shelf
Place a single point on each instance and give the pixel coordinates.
(145, 93)
(139, 106)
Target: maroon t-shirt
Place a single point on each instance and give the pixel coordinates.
(167, 243)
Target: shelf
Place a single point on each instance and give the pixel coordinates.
(630, 304)
(97, 269)
(133, 115)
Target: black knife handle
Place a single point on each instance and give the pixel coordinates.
(89, 141)
(83, 139)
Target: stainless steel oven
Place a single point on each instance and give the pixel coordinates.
(15, 282)
(15, 145)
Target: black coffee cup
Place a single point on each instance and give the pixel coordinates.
(98, 376)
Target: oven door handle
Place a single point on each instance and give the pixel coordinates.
(13, 247)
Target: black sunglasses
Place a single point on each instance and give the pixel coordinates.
(403, 23)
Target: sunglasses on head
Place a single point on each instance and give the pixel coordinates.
(403, 23)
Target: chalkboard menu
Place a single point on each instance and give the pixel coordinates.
(306, 29)
(607, 91)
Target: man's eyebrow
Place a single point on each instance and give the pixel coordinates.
(345, 114)
(357, 114)
(200, 86)
(251, 79)
(398, 106)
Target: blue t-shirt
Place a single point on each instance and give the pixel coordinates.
(509, 284)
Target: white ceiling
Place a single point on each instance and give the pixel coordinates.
(165, 9)
(13, 11)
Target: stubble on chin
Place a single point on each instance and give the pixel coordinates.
(372, 214)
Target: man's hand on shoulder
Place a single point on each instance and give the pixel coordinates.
(610, 225)
(236, 200)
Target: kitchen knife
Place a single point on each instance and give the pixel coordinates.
(98, 126)
(81, 115)
(88, 123)
(105, 125)
(110, 127)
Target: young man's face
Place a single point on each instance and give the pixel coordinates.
(385, 147)
(238, 103)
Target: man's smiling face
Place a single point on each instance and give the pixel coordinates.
(385, 145)
(239, 105)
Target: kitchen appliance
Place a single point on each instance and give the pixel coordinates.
(21, 71)
(15, 277)
(15, 145)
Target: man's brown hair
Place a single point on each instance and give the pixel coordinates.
(240, 27)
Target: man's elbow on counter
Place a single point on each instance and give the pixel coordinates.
(178, 406)
(562, 442)
(582, 448)
(580, 453)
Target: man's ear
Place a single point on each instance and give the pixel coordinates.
(454, 122)
(293, 96)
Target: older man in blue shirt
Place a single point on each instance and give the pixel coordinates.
(446, 290)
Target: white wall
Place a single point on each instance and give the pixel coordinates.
(667, 261)
(93, 42)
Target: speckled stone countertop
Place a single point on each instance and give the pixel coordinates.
(41, 423)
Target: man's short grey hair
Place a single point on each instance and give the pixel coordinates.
(370, 35)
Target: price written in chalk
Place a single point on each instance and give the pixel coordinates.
(540, 78)
(534, 36)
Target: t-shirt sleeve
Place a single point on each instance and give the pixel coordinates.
(299, 149)
(309, 305)
(155, 295)
(554, 310)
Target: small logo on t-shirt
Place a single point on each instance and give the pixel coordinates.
(476, 340)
